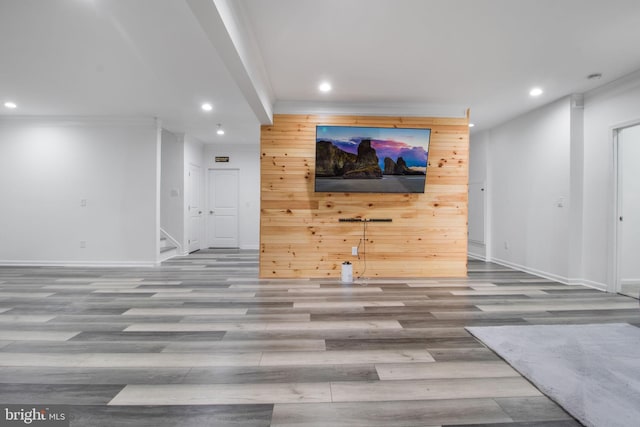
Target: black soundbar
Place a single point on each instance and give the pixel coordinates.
(365, 220)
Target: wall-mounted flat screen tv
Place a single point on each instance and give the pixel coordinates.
(352, 159)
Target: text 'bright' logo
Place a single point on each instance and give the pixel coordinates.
(28, 416)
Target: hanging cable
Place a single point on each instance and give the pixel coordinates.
(363, 240)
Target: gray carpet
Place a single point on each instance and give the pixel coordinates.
(592, 371)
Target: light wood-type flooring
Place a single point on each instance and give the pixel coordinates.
(201, 341)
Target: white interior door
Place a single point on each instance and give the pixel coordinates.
(629, 211)
(222, 212)
(194, 208)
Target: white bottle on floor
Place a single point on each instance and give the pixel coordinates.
(347, 272)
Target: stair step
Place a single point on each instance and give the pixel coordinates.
(164, 243)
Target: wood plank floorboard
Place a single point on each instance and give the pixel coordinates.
(282, 374)
(172, 416)
(385, 414)
(561, 423)
(201, 340)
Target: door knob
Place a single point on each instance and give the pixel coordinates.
(199, 212)
(210, 212)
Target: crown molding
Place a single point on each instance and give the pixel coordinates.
(81, 120)
(370, 109)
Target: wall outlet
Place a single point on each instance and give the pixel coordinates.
(83, 244)
(354, 250)
(506, 245)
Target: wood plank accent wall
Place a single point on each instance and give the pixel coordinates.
(300, 236)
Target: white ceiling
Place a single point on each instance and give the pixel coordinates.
(164, 58)
(119, 58)
(482, 54)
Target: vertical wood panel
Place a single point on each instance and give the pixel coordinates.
(300, 235)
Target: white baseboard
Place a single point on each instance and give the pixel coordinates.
(250, 247)
(40, 263)
(477, 250)
(567, 281)
(630, 282)
(543, 274)
(477, 256)
(589, 284)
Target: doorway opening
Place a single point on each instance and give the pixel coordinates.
(627, 220)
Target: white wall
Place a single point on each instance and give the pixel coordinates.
(172, 186)
(576, 198)
(529, 174)
(193, 151)
(247, 160)
(49, 166)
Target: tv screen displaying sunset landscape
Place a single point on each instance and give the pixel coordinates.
(353, 159)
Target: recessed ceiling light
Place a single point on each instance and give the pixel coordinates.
(471, 125)
(207, 107)
(220, 131)
(10, 104)
(324, 87)
(536, 91)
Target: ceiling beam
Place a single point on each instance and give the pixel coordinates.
(226, 27)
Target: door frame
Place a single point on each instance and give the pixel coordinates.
(615, 261)
(209, 201)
